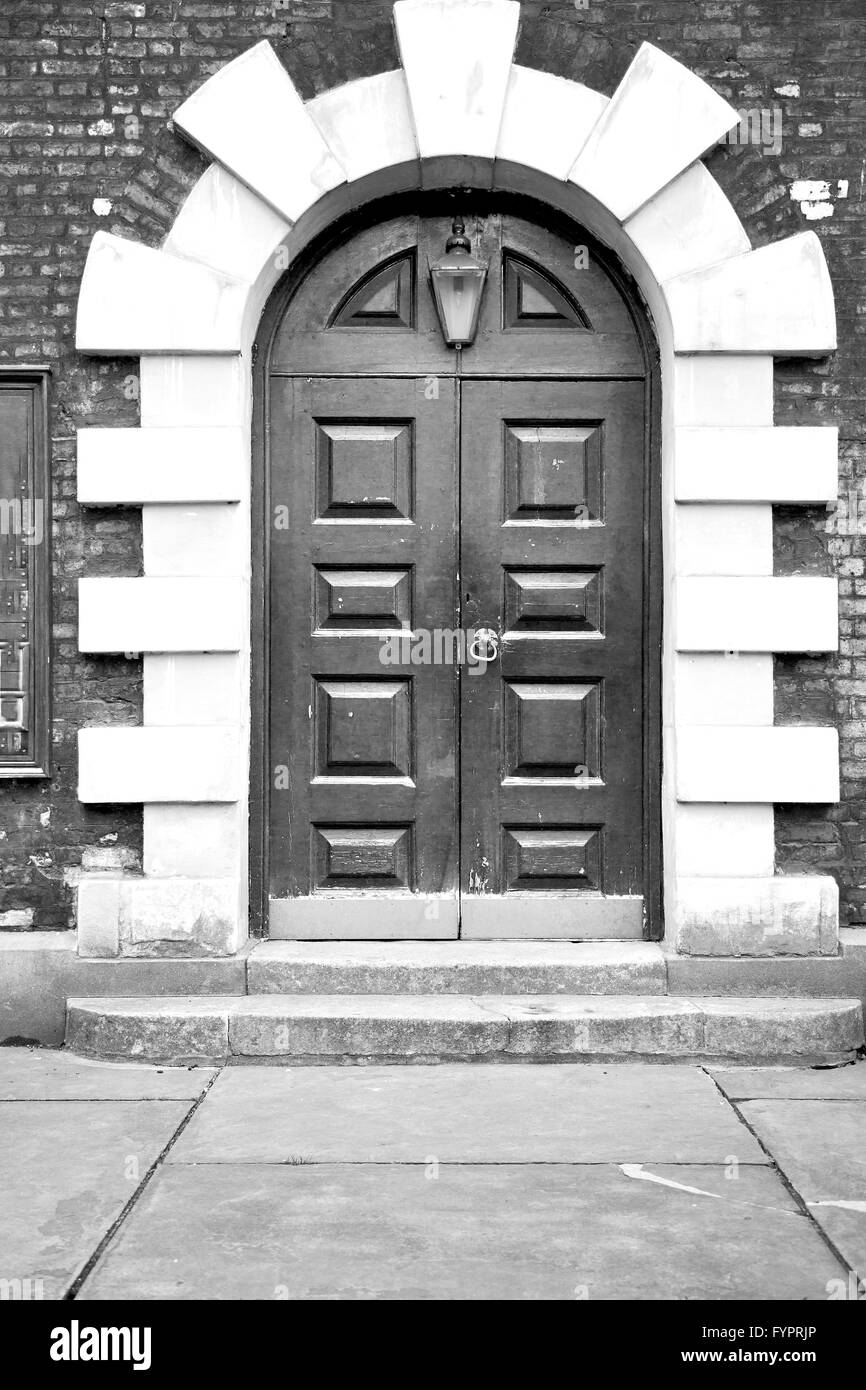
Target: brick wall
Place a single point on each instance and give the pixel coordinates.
(86, 90)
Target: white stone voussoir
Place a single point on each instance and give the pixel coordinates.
(688, 225)
(225, 225)
(547, 120)
(128, 766)
(782, 764)
(250, 118)
(777, 299)
(661, 118)
(798, 463)
(159, 615)
(368, 123)
(456, 55)
(135, 300)
(129, 467)
(757, 614)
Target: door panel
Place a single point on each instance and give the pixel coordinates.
(363, 746)
(552, 557)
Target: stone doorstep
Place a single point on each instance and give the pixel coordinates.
(39, 971)
(442, 1027)
(456, 967)
(541, 967)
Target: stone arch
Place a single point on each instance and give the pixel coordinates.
(459, 112)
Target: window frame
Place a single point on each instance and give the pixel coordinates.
(37, 763)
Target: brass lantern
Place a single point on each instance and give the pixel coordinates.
(458, 284)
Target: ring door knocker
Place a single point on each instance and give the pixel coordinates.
(484, 647)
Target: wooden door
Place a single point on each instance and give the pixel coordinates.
(415, 490)
(363, 741)
(552, 560)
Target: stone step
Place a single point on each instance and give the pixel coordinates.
(429, 1028)
(456, 967)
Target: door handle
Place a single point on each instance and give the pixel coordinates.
(484, 647)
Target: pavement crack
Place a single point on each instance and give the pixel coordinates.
(90, 1264)
(802, 1204)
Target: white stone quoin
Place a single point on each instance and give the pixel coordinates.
(628, 170)
(127, 467)
(159, 615)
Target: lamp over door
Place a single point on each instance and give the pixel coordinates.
(458, 284)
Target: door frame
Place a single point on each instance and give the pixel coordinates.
(533, 209)
(722, 311)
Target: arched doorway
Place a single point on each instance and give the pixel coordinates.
(461, 570)
(192, 310)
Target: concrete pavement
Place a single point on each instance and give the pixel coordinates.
(454, 1182)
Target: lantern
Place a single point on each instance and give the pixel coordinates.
(458, 284)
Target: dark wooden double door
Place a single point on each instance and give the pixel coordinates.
(457, 611)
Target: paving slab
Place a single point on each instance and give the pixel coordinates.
(820, 1146)
(466, 1113)
(49, 1075)
(794, 1083)
(466, 1233)
(67, 1169)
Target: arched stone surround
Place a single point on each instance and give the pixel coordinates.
(458, 112)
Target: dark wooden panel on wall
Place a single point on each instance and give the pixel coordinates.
(25, 541)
